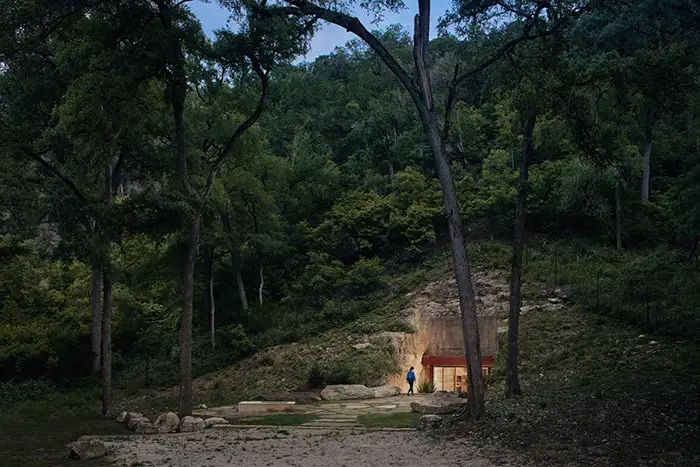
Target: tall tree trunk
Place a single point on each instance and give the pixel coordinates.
(618, 214)
(241, 290)
(95, 307)
(646, 169)
(212, 304)
(262, 284)
(460, 261)
(512, 380)
(236, 264)
(187, 293)
(646, 162)
(458, 241)
(107, 403)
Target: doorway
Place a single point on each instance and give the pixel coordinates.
(450, 378)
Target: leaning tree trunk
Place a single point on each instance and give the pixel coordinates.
(107, 402)
(187, 293)
(465, 288)
(95, 307)
(512, 379)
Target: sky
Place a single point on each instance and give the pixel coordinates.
(213, 17)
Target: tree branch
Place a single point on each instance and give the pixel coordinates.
(451, 94)
(243, 127)
(421, 38)
(355, 26)
(54, 170)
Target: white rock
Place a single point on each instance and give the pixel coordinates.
(146, 428)
(430, 421)
(336, 392)
(134, 420)
(210, 422)
(439, 404)
(386, 391)
(122, 417)
(167, 422)
(90, 449)
(188, 424)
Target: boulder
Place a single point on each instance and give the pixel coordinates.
(337, 392)
(146, 428)
(188, 424)
(122, 417)
(385, 391)
(430, 421)
(210, 422)
(298, 397)
(130, 415)
(439, 404)
(167, 422)
(89, 449)
(134, 420)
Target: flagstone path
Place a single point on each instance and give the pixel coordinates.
(331, 414)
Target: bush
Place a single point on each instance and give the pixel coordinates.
(426, 387)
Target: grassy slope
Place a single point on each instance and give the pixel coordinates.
(600, 393)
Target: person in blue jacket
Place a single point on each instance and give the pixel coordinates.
(410, 379)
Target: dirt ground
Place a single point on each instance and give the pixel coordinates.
(300, 447)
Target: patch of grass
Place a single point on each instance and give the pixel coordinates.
(390, 420)
(281, 419)
(35, 432)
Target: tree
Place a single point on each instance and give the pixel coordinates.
(256, 49)
(421, 92)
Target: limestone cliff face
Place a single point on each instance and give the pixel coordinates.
(435, 316)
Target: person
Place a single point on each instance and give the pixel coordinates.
(410, 379)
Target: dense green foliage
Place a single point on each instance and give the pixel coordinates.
(332, 192)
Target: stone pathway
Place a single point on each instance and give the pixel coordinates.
(332, 414)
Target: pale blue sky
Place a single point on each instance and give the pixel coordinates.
(213, 17)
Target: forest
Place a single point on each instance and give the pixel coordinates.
(172, 203)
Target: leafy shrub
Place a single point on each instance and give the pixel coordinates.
(426, 387)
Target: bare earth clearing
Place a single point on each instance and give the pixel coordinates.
(300, 447)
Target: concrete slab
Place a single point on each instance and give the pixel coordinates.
(257, 407)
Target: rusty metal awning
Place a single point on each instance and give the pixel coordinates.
(454, 360)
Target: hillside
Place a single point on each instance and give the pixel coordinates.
(594, 390)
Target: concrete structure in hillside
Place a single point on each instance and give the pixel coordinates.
(444, 361)
(436, 350)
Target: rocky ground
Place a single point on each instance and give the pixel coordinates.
(302, 447)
